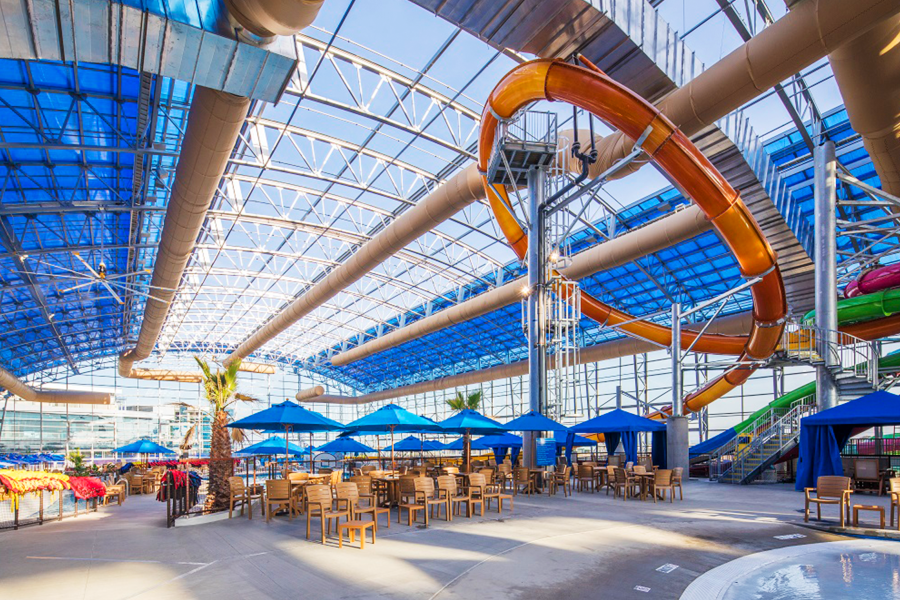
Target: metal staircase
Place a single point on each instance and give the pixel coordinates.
(751, 455)
(854, 360)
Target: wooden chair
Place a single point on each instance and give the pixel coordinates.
(135, 483)
(320, 503)
(366, 490)
(367, 469)
(118, 491)
(491, 491)
(348, 493)
(865, 471)
(336, 477)
(676, 481)
(407, 491)
(522, 480)
(418, 503)
(610, 479)
(278, 494)
(504, 475)
(488, 475)
(639, 469)
(474, 494)
(662, 481)
(562, 478)
(448, 490)
(585, 478)
(449, 470)
(830, 489)
(894, 491)
(426, 495)
(239, 495)
(626, 484)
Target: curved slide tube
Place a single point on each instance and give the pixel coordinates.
(592, 90)
(876, 280)
(858, 309)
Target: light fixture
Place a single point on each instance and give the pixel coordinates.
(525, 290)
(554, 256)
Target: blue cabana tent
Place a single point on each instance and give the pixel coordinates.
(823, 435)
(501, 444)
(619, 425)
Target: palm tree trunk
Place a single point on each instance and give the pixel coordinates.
(467, 453)
(221, 466)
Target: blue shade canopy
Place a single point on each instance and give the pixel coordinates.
(287, 416)
(345, 445)
(392, 418)
(534, 421)
(143, 447)
(433, 446)
(472, 422)
(499, 440)
(877, 408)
(618, 421)
(273, 445)
(560, 437)
(410, 444)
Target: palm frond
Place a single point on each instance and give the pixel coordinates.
(238, 436)
(245, 398)
(186, 442)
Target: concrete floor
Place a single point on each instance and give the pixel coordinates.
(551, 547)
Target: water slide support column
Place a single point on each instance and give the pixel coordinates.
(677, 425)
(826, 272)
(536, 317)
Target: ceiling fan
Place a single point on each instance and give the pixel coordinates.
(115, 284)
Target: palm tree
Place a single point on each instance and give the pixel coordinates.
(221, 392)
(459, 403)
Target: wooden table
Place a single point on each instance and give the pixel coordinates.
(871, 507)
(392, 485)
(537, 476)
(645, 479)
(353, 527)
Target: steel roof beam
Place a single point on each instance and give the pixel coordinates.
(7, 237)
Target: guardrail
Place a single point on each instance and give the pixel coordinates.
(845, 353)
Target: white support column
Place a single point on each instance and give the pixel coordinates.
(826, 273)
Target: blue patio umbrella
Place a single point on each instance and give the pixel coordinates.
(470, 422)
(389, 419)
(433, 446)
(534, 421)
(269, 447)
(345, 445)
(409, 444)
(143, 447)
(288, 416)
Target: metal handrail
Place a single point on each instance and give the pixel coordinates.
(773, 421)
(847, 353)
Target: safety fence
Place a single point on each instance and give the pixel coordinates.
(35, 508)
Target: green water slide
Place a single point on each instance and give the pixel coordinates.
(863, 308)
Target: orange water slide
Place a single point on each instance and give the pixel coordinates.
(590, 89)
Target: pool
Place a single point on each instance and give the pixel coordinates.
(847, 569)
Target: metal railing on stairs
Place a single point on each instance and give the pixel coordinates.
(769, 434)
(849, 354)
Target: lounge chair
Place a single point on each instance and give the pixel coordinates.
(830, 489)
